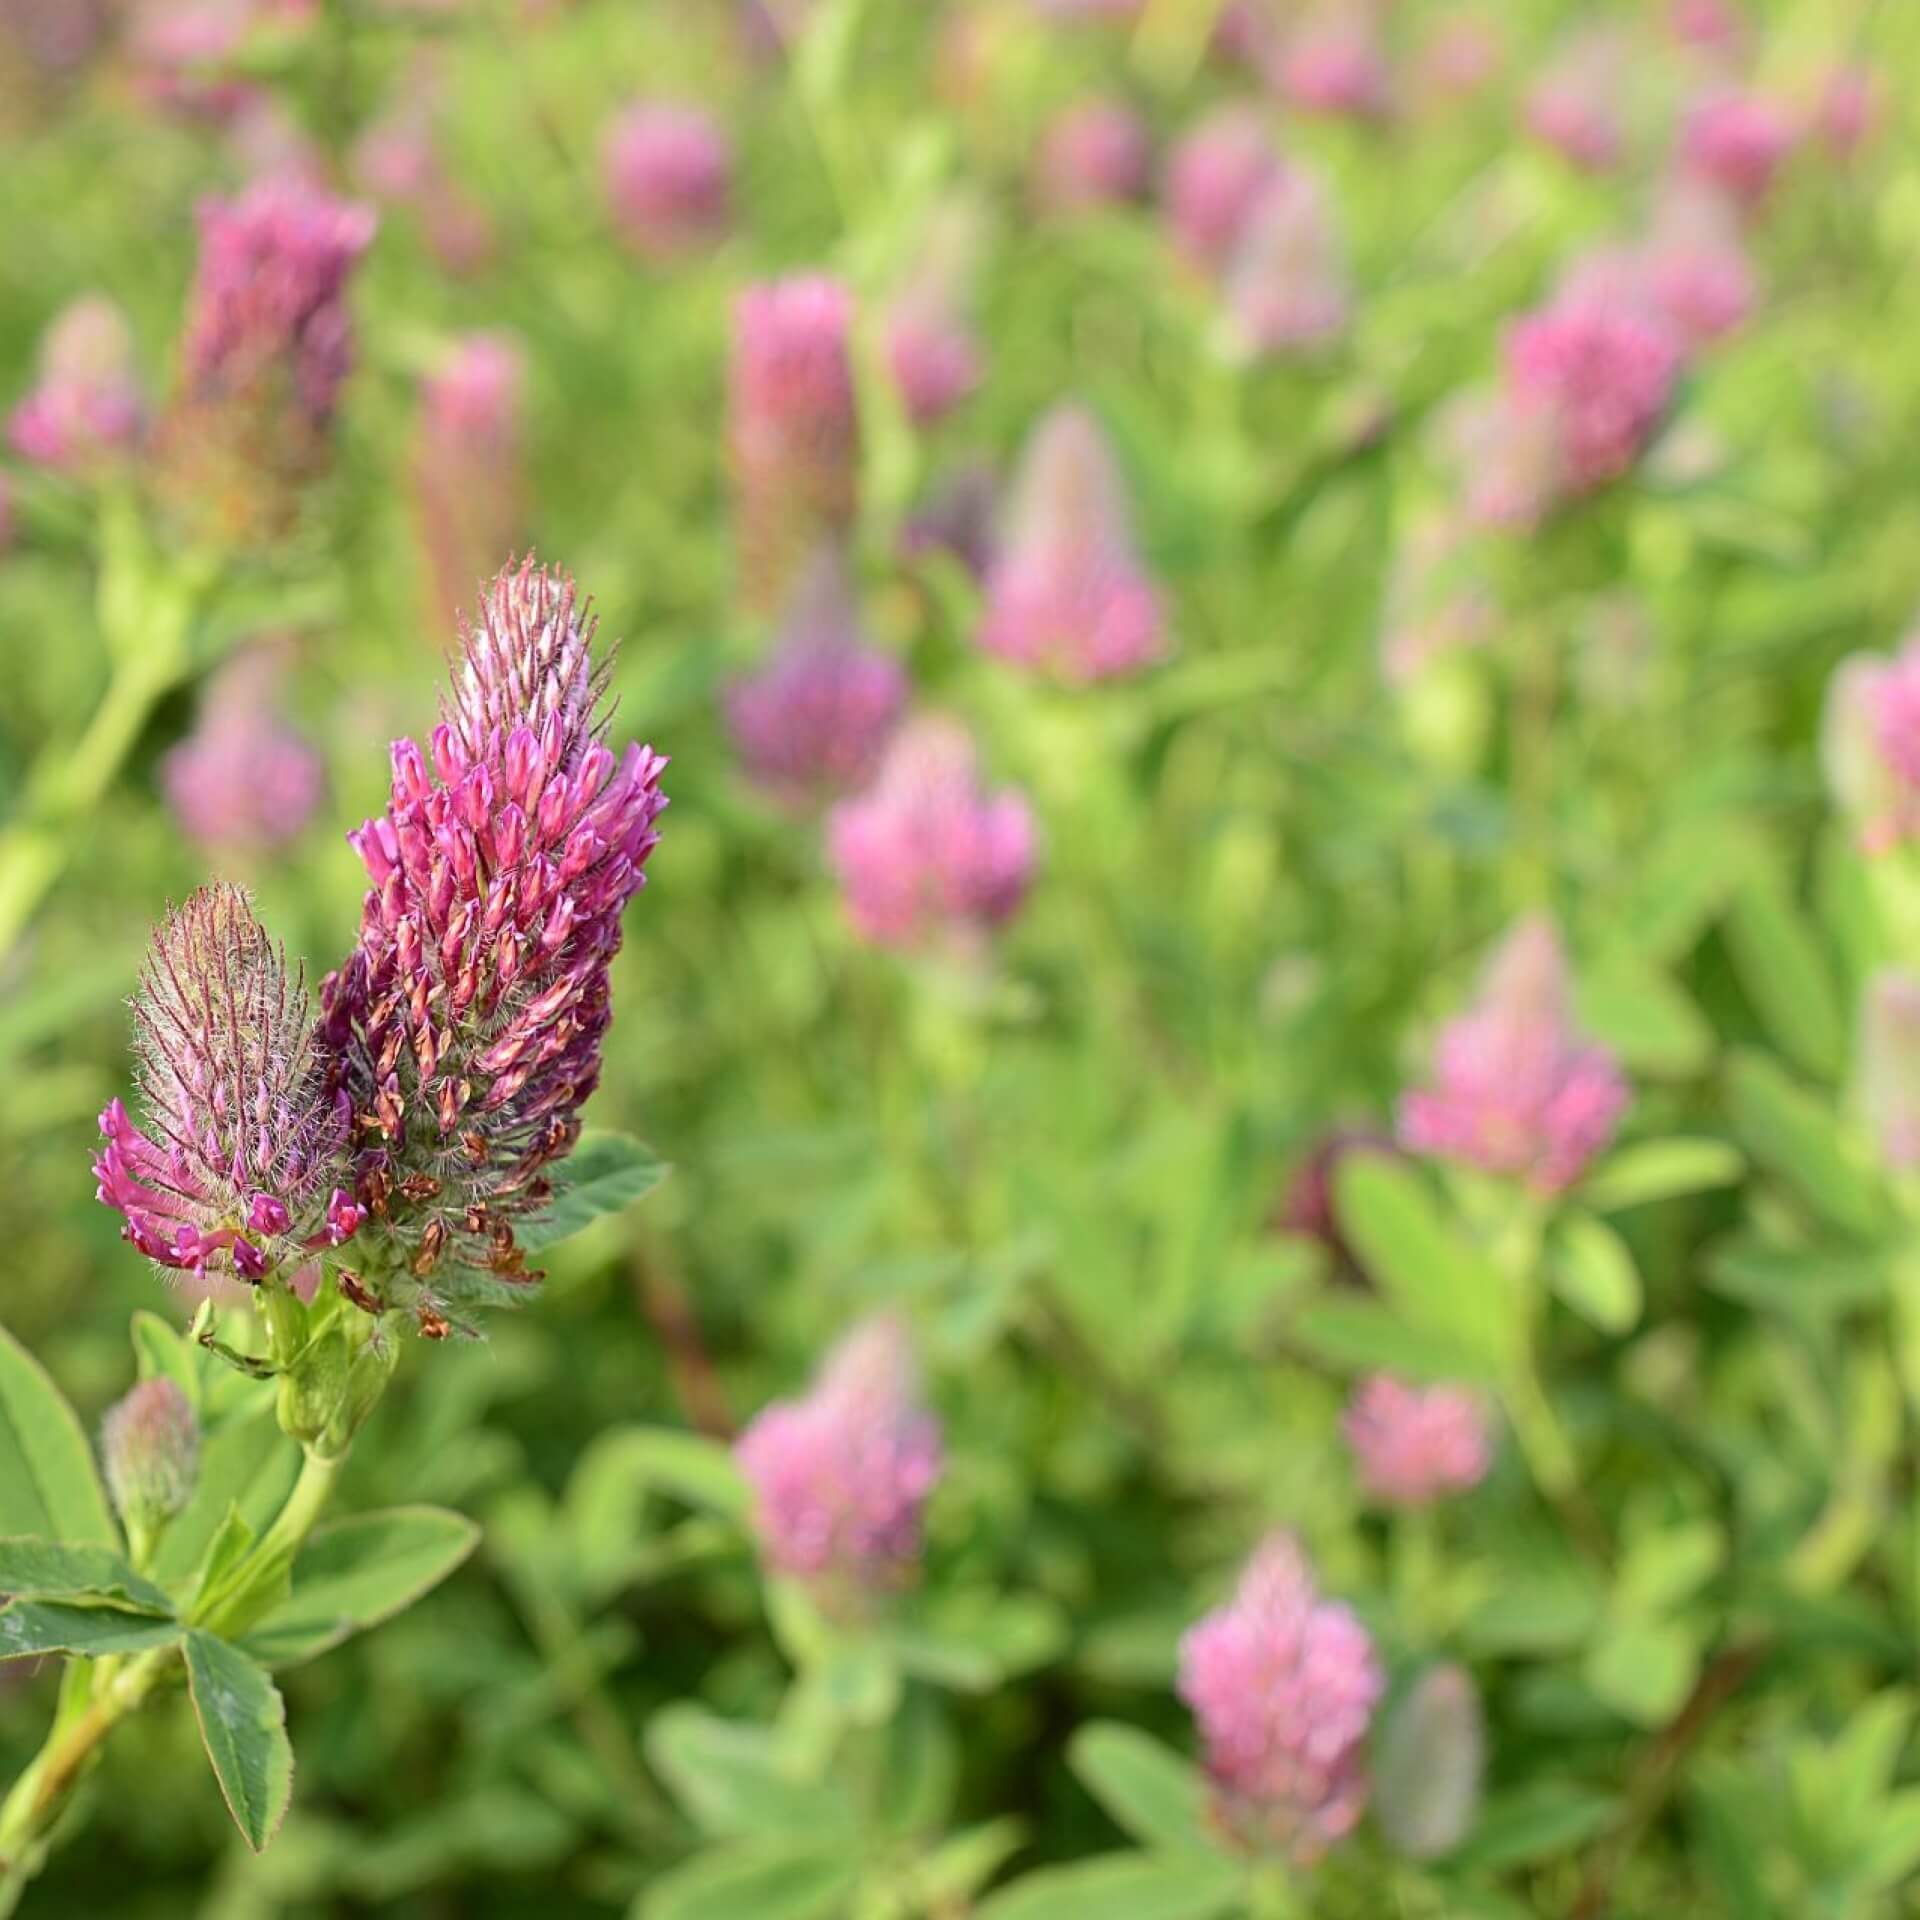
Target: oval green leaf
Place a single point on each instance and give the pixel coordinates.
(48, 1484)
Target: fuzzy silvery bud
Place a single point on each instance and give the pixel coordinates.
(150, 1449)
(1429, 1765)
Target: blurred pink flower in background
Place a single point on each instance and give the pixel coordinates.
(1413, 1445)
(813, 722)
(1889, 1067)
(1283, 1686)
(933, 351)
(1516, 1089)
(88, 402)
(1095, 154)
(468, 469)
(1850, 109)
(242, 780)
(1508, 459)
(1287, 288)
(1695, 266)
(841, 1477)
(792, 426)
(397, 161)
(927, 855)
(1067, 592)
(1737, 142)
(1333, 64)
(1870, 743)
(181, 58)
(669, 178)
(1602, 369)
(1714, 26)
(1308, 1205)
(1461, 54)
(1214, 178)
(1574, 105)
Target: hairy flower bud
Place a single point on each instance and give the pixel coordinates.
(150, 1449)
(1283, 1685)
(242, 1164)
(927, 853)
(841, 1477)
(88, 404)
(813, 722)
(1516, 1089)
(1067, 593)
(669, 179)
(792, 426)
(469, 1019)
(268, 346)
(1413, 1445)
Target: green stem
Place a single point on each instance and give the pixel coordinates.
(296, 1519)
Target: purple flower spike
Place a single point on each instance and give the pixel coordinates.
(927, 853)
(1413, 1445)
(470, 1017)
(1283, 1686)
(1516, 1090)
(268, 346)
(841, 1478)
(813, 723)
(792, 427)
(243, 779)
(467, 466)
(88, 405)
(244, 1141)
(669, 177)
(1067, 593)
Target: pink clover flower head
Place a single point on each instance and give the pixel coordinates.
(150, 1453)
(269, 297)
(1095, 154)
(1283, 1686)
(1516, 1088)
(792, 425)
(814, 721)
(88, 404)
(1334, 66)
(927, 853)
(842, 1476)
(470, 1018)
(1737, 142)
(1287, 288)
(1414, 1445)
(239, 1167)
(1214, 180)
(669, 178)
(1067, 592)
(1574, 107)
(243, 779)
(1603, 370)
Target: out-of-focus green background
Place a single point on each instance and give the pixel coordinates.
(1264, 876)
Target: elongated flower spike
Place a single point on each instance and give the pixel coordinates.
(841, 1477)
(469, 1019)
(1516, 1088)
(1068, 593)
(242, 1164)
(1283, 1685)
(812, 723)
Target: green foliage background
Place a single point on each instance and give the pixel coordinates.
(1263, 881)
